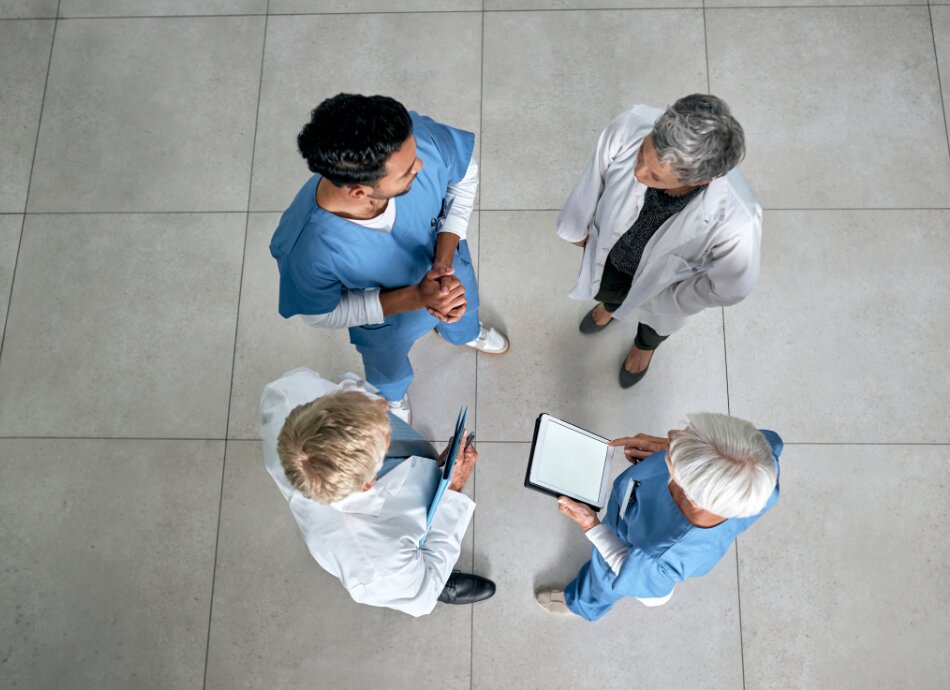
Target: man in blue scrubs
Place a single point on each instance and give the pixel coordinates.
(671, 516)
(375, 240)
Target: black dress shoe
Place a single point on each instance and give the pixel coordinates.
(588, 325)
(628, 380)
(464, 588)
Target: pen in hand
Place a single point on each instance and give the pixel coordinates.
(469, 441)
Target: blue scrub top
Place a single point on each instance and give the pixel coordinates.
(665, 547)
(320, 254)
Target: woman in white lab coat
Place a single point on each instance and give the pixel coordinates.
(668, 225)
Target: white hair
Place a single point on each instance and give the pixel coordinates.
(723, 464)
(699, 137)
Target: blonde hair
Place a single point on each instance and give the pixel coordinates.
(723, 464)
(332, 446)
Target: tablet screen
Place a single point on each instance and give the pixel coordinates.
(570, 460)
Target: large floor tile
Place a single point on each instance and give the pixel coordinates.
(847, 587)
(808, 3)
(841, 106)
(586, 4)
(122, 325)
(149, 115)
(844, 339)
(10, 226)
(429, 62)
(280, 621)
(549, 93)
(522, 542)
(158, 8)
(553, 368)
(940, 16)
(21, 9)
(24, 57)
(268, 345)
(357, 6)
(107, 560)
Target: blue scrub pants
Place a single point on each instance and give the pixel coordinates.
(385, 347)
(589, 595)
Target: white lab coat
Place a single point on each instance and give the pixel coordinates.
(707, 255)
(370, 539)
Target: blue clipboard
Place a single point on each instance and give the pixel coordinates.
(446, 470)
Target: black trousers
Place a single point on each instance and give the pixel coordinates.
(614, 286)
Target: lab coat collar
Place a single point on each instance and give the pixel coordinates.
(371, 502)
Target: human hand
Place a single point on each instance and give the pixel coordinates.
(442, 294)
(636, 448)
(464, 463)
(582, 514)
(580, 243)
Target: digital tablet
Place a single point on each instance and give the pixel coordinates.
(569, 461)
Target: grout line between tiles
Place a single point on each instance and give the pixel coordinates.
(237, 320)
(725, 358)
(478, 257)
(26, 201)
(250, 14)
(706, 48)
(943, 105)
(739, 604)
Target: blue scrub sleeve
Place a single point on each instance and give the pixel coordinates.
(316, 290)
(641, 576)
(455, 146)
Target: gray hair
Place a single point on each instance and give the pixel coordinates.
(723, 464)
(699, 137)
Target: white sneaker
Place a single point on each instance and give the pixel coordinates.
(401, 409)
(490, 341)
(552, 600)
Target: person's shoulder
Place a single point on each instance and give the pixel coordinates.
(293, 388)
(729, 199)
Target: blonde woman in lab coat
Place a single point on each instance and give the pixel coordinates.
(668, 225)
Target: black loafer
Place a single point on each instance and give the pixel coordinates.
(628, 380)
(465, 588)
(588, 325)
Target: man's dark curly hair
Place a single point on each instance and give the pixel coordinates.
(350, 137)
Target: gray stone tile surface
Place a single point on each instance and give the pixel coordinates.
(158, 8)
(10, 226)
(554, 80)
(107, 561)
(24, 57)
(586, 4)
(25, 9)
(848, 318)
(844, 584)
(279, 620)
(435, 73)
(361, 6)
(139, 346)
(149, 115)
(940, 16)
(841, 106)
(554, 368)
(134, 315)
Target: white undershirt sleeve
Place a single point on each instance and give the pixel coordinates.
(356, 308)
(460, 199)
(609, 545)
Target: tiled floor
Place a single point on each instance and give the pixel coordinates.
(146, 149)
